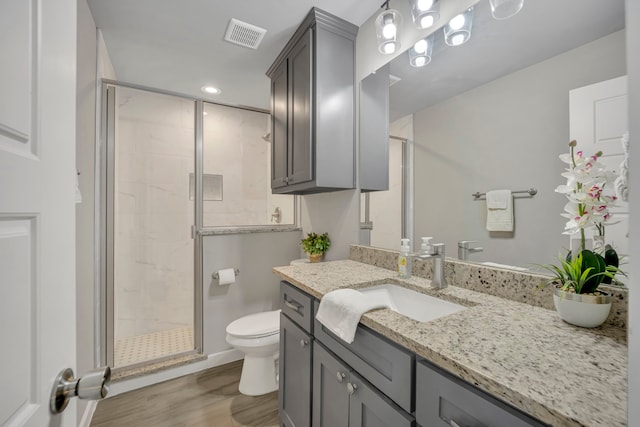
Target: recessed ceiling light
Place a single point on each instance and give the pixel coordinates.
(210, 90)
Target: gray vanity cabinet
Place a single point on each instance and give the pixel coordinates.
(295, 375)
(330, 394)
(342, 398)
(296, 347)
(445, 400)
(312, 105)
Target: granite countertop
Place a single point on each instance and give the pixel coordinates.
(523, 354)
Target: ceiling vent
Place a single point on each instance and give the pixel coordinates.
(244, 34)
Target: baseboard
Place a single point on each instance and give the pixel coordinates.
(89, 410)
(211, 361)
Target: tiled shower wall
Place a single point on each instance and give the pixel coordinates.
(154, 214)
(154, 250)
(234, 148)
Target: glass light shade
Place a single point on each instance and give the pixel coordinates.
(420, 52)
(503, 9)
(458, 30)
(388, 29)
(425, 12)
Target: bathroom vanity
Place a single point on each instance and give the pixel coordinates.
(496, 363)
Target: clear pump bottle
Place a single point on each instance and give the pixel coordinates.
(404, 259)
(425, 247)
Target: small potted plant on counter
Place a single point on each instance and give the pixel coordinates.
(315, 245)
(577, 277)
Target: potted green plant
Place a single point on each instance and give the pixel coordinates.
(575, 294)
(577, 277)
(315, 245)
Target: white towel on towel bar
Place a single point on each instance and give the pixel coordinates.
(499, 210)
(340, 310)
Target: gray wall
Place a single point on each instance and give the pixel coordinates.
(337, 213)
(505, 134)
(633, 71)
(256, 288)
(85, 143)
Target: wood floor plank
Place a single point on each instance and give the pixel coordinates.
(207, 398)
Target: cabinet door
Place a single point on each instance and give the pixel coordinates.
(295, 375)
(300, 113)
(370, 408)
(374, 131)
(330, 396)
(279, 120)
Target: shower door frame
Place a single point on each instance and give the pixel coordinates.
(104, 295)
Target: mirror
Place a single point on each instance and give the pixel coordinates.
(493, 113)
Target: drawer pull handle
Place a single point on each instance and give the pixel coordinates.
(304, 343)
(341, 376)
(351, 388)
(293, 306)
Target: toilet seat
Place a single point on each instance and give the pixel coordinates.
(256, 325)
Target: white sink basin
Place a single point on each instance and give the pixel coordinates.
(415, 305)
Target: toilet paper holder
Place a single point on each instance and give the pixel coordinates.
(216, 276)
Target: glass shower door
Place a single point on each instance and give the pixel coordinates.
(150, 250)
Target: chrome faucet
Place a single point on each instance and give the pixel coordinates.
(464, 249)
(437, 253)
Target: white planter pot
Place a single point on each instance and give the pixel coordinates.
(587, 311)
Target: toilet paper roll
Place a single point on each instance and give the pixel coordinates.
(226, 276)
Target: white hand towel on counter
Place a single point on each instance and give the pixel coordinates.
(499, 210)
(340, 310)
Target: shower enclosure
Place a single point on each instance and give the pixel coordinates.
(173, 169)
(149, 251)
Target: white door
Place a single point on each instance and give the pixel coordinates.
(598, 120)
(37, 210)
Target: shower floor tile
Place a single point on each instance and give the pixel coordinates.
(131, 350)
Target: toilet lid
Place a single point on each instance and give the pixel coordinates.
(256, 325)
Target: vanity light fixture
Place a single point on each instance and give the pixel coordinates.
(210, 90)
(420, 52)
(425, 12)
(503, 9)
(458, 30)
(388, 28)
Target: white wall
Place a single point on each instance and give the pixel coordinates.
(505, 134)
(633, 71)
(256, 288)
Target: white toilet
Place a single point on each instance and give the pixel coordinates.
(258, 337)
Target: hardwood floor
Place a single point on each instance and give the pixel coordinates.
(208, 398)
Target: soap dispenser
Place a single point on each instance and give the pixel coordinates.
(404, 259)
(425, 247)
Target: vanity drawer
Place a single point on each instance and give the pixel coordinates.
(387, 366)
(445, 400)
(297, 305)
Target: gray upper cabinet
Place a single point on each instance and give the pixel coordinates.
(312, 105)
(374, 131)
